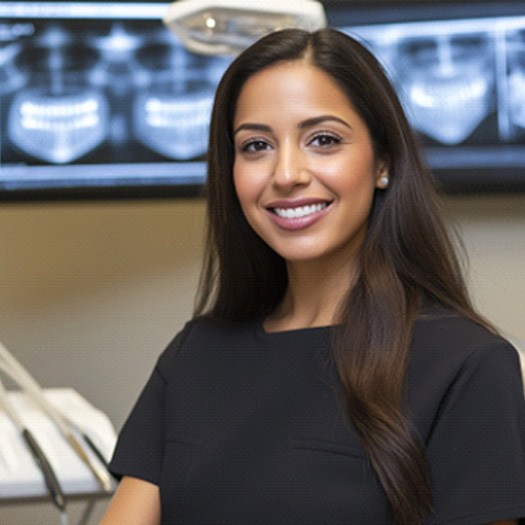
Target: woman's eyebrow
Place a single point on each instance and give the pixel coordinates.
(252, 127)
(314, 121)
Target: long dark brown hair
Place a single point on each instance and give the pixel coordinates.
(407, 257)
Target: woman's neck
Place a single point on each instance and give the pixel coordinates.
(313, 298)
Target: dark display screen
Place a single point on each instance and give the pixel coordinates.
(462, 81)
(101, 100)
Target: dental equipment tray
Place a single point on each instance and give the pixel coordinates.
(20, 477)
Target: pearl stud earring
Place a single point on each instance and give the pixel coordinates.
(383, 182)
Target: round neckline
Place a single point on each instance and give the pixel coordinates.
(291, 331)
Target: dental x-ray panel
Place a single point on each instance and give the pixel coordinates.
(459, 68)
(99, 99)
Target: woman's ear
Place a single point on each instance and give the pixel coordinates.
(382, 178)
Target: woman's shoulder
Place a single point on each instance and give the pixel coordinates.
(204, 332)
(458, 363)
(443, 335)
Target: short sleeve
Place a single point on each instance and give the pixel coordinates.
(140, 445)
(476, 449)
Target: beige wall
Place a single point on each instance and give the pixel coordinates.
(493, 230)
(90, 293)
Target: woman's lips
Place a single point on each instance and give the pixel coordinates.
(297, 215)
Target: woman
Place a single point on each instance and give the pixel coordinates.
(335, 371)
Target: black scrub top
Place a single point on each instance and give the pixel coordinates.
(238, 426)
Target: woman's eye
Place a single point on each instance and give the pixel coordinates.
(325, 139)
(254, 146)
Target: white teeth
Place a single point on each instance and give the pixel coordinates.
(301, 211)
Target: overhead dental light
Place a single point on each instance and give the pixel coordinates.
(228, 26)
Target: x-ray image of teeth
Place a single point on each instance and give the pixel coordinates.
(58, 127)
(172, 114)
(174, 126)
(449, 86)
(61, 118)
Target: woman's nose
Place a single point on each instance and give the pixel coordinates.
(290, 168)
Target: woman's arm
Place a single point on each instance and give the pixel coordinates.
(135, 502)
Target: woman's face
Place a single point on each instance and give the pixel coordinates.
(305, 170)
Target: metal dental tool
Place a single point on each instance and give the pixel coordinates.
(40, 458)
(11, 367)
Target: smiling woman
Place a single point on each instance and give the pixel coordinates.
(335, 370)
(305, 169)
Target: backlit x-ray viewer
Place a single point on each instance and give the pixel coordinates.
(103, 99)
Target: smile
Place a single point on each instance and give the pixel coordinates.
(300, 211)
(295, 216)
